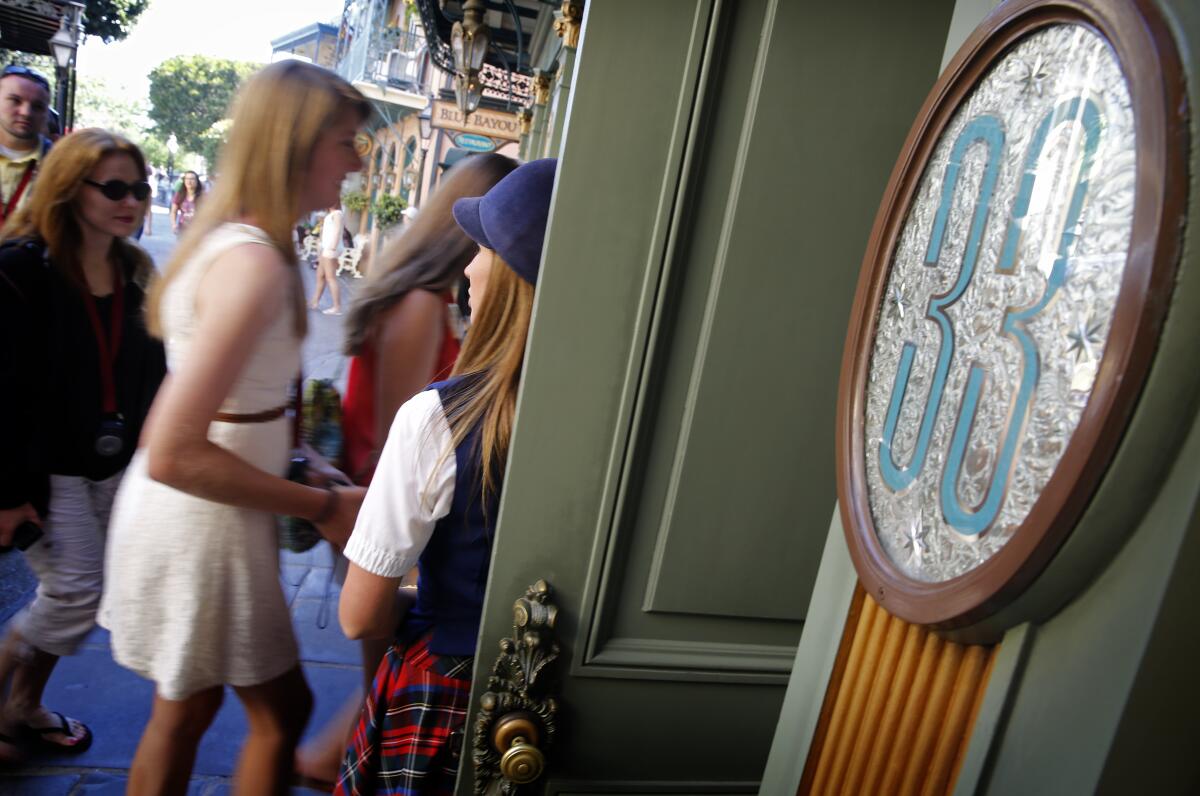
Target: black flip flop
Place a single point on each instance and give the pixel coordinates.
(37, 736)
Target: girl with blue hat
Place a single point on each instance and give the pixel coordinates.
(433, 503)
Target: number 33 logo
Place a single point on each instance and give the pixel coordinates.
(987, 131)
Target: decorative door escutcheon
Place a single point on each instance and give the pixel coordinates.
(518, 715)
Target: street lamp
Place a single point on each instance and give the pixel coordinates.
(172, 148)
(63, 45)
(425, 119)
(469, 40)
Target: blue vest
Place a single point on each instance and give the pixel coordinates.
(454, 566)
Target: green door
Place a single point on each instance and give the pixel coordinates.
(672, 472)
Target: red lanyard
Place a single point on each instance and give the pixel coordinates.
(11, 204)
(107, 348)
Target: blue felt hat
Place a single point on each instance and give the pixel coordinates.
(510, 219)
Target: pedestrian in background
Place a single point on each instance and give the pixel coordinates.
(193, 597)
(400, 339)
(327, 261)
(79, 372)
(185, 202)
(152, 180)
(24, 106)
(434, 500)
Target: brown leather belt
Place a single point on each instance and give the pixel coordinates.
(253, 417)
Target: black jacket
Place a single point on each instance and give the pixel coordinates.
(50, 394)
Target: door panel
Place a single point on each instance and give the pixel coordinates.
(671, 474)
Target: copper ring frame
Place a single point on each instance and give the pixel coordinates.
(1150, 63)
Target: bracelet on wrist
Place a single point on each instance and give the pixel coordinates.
(328, 509)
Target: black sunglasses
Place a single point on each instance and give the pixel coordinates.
(116, 190)
(21, 70)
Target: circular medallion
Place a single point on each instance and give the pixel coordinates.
(1007, 309)
(363, 144)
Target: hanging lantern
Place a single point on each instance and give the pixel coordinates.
(469, 40)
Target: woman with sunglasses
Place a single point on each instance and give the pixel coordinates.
(79, 372)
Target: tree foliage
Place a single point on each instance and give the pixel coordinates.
(97, 105)
(189, 94)
(212, 139)
(112, 20)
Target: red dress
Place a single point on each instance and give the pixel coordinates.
(358, 406)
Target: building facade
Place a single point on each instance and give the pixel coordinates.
(397, 53)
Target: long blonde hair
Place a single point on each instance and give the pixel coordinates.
(431, 254)
(278, 118)
(491, 361)
(51, 214)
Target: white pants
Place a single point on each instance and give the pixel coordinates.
(69, 563)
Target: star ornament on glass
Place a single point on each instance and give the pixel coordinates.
(1035, 77)
(898, 297)
(914, 540)
(1085, 339)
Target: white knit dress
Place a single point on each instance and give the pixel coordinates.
(192, 593)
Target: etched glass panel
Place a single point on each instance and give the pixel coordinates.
(998, 302)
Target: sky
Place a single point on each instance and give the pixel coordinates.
(237, 29)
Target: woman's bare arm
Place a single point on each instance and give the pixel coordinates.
(243, 291)
(371, 606)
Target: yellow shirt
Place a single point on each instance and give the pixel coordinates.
(12, 170)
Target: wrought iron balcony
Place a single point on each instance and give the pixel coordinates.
(395, 58)
(370, 51)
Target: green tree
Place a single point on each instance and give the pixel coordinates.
(97, 105)
(191, 93)
(154, 148)
(112, 20)
(212, 139)
(42, 63)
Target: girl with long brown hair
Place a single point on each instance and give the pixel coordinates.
(399, 338)
(79, 372)
(433, 502)
(398, 332)
(193, 597)
(185, 202)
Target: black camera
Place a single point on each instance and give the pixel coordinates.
(110, 437)
(24, 536)
(298, 469)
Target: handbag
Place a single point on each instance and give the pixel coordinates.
(317, 432)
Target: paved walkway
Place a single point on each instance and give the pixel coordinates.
(116, 703)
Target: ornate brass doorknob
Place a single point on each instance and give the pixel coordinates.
(515, 737)
(522, 763)
(517, 717)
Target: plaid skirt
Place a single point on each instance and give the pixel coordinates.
(410, 735)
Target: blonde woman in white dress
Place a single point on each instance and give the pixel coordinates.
(194, 600)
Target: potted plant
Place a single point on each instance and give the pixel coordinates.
(388, 211)
(354, 203)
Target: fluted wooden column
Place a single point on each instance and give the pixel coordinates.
(899, 710)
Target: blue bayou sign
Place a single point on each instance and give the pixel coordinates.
(474, 143)
(987, 349)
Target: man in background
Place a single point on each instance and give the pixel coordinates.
(24, 105)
